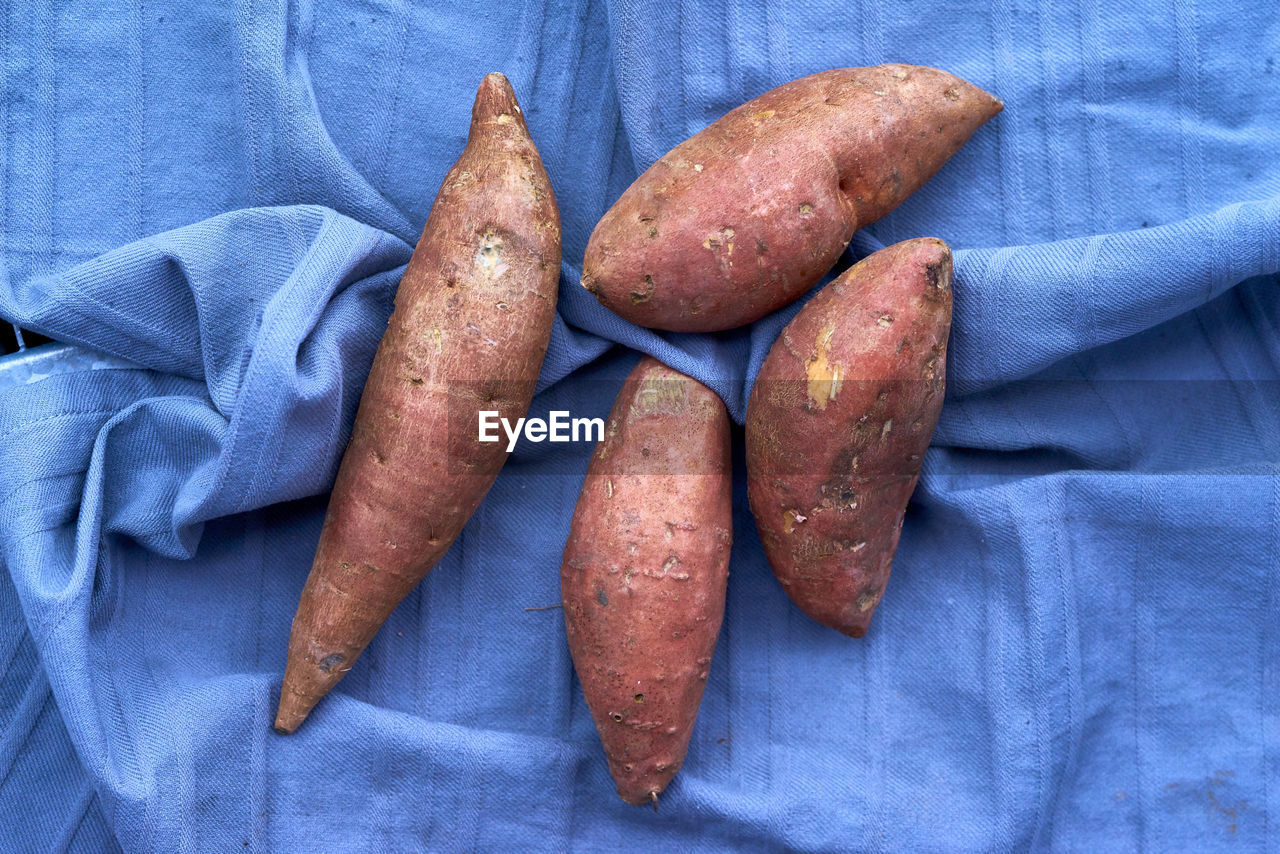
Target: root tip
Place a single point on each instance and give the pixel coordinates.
(494, 98)
(288, 716)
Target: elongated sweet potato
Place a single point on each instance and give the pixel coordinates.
(645, 569)
(471, 325)
(749, 214)
(837, 425)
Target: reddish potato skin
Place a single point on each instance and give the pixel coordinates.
(749, 214)
(645, 569)
(838, 423)
(471, 324)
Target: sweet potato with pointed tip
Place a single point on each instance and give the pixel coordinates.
(471, 324)
(838, 423)
(747, 215)
(645, 569)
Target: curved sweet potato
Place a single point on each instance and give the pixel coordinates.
(749, 214)
(645, 569)
(471, 325)
(837, 426)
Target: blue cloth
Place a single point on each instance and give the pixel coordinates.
(1078, 649)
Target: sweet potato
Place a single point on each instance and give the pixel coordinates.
(471, 324)
(644, 572)
(749, 214)
(837, 426)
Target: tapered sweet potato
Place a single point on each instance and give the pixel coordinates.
(645, 569)
(837, 426)
(471, 325)
(749, 214)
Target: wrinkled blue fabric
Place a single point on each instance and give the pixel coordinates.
(1078, 649)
